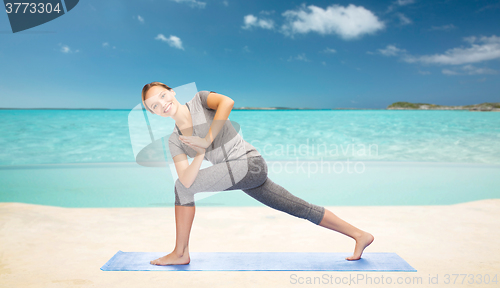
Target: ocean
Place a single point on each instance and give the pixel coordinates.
(86, 158)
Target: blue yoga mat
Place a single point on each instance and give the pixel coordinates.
(261, 261)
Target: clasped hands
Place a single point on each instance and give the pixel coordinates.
(197, 143)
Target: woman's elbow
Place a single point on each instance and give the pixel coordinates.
(228, 101)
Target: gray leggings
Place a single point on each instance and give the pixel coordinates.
(250, 176)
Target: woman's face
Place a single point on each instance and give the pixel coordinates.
(161, 101)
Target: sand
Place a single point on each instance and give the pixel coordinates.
(45, 246)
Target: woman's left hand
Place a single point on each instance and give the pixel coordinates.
(195, 140)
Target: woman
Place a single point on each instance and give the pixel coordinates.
(236, 165)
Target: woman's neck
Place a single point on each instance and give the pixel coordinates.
(183, 117)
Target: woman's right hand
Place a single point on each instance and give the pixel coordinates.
(198, 150)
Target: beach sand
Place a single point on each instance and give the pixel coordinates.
(45, 246)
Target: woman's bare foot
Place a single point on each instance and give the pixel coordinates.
(172, 259)
(361, 243)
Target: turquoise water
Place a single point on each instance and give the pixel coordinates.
(84, 158)
(90, 136)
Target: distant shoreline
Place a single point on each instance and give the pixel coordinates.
(243, 108)
(426, 106)
(393, 106)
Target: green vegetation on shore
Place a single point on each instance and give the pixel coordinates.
(426, 106)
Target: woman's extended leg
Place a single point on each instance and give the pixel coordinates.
(277, 197)
(184, 216)
(363, 239)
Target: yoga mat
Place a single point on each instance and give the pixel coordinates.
(261, 261)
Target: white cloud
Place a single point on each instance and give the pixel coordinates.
(399, 3)
(300, 57)
(489, 7)
(66, 49)
(140, 18)
(488, 50)
(444, 27)
(263, 12)
(449, 72)
(470, 39)
(225, 3)
(192, 3)
(245, 49)
(330, 50)
(469, 70)
(252, 21)
(391, 50)
(404, 20)
(106, 45)
(173, 41)
(405, 2)
(348, 22)
(424, 72)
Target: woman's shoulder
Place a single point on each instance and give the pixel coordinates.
(202, 97)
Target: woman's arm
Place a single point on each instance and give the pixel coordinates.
(223, 106)
(188, 172)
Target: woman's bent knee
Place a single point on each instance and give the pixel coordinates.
(182, 196)
(258, 169)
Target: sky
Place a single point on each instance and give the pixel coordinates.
(314, 54)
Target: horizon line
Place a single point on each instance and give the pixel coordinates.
(241, 108)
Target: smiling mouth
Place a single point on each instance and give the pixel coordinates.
(168, 108)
